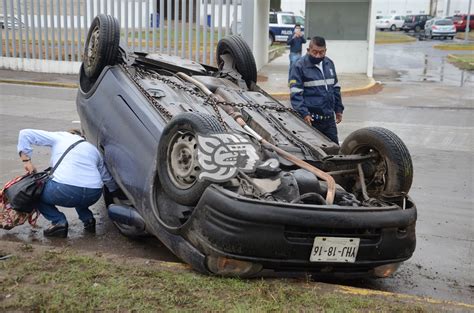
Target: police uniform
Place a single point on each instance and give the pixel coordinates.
(315, 91)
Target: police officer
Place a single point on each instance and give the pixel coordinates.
(315, 90)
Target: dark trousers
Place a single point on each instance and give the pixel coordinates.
(328, 128)
(67, 196)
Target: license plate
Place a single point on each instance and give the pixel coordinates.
(334, 249)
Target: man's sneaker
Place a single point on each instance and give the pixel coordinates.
(56, 230)
(89, 226)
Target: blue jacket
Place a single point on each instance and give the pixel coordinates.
(295, 43)
(313, 92)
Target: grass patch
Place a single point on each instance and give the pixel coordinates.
(64, 281)
(461, 35)
(455, 46)
(386, 37)
(463, 61)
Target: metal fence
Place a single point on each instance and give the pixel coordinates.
(57, 30)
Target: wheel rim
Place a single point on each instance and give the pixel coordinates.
(375, 170)
(92, 47)
(183, 167)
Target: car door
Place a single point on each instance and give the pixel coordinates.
(398, 21)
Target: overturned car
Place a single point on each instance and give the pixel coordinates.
(232, 181)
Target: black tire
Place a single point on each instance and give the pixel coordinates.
(393, 158)
(417, 29)
(244, 62)
(131, 232)
(271, 39)
(180, 183)
(393, 28)
(102, 45)
(451, 37)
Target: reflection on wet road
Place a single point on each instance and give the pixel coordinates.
(420, 62)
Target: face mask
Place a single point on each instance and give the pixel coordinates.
(314, 60)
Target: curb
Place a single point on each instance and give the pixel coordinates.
(373, 86)
(454, 47)
(371, 292)
(384, 42)
(457, 59)
(35, 83)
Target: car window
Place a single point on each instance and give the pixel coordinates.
(457, 18)
(299, 20)
(444, 22)
(273, 19)
(409, 18)
(288, 19)
(397, 18)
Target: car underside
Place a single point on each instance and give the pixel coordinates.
(233, 181)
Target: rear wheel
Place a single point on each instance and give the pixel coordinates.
(417, 29)
(235, 51)
(393, 28)
(102, 45)
(178, 166)
(391, 170)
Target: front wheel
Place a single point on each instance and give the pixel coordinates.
(417, 29)
(178, 166)
(390, 172)
(393, 28)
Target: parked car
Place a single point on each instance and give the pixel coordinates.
(460, 21)
(415, 22)
(231, 180)
(441, 28)
(281, 25)
(392, 22)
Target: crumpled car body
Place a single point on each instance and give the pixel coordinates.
(157, 130)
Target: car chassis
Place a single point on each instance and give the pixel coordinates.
(307, 205)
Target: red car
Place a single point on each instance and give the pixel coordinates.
(460, 21)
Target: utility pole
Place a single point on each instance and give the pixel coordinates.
(448, 2)
(466, 34)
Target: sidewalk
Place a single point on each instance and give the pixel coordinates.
(273, 78)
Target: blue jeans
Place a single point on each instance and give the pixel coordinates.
(328, 128)
(294, 56)
(67, 196)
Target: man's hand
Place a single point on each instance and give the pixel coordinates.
(338, 118)
(308, 120)
(29, 167)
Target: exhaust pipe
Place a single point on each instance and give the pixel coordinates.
(126, 215)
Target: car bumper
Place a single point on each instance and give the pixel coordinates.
(434, 33)
(280, 236)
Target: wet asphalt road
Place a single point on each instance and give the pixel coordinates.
(428, 102)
